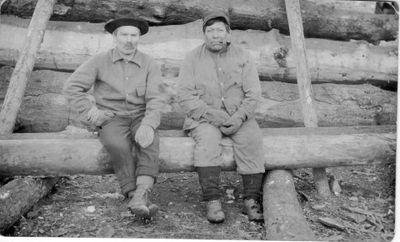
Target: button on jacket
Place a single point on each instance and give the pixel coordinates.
(226, 80)
(126, 88)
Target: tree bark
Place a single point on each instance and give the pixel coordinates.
(304, 84)
(67, 45)
(19, 195)
(284, 148)
(283, 214)
(320, 20)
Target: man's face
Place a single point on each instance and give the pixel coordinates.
(126, 39)
(216, 36)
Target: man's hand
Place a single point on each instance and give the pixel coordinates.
(231, 126)
(216, 117)
(144, 135)
(98, 117)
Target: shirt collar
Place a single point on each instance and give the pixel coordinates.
(137, 58)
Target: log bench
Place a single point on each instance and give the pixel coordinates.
(58, 154)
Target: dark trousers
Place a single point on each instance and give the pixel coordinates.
(128, 158)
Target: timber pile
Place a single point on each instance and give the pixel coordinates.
(67, 45)
(354, 83)
(320, 20)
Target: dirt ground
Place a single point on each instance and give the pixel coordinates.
(91, 206)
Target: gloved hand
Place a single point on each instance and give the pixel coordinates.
(98, 117)
(144, 135)
(216, 117)
(232, 125)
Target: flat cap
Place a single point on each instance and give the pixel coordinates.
(216, 14)
(112, 25)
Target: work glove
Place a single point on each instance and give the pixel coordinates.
(216, 117)
(232, 125)
(144, 135)
(98, 117)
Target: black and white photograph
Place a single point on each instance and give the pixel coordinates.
(198, 120)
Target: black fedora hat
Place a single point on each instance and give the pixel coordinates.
(112, 25)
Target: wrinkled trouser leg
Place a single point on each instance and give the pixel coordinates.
(117, 137)
(208, 159)
(147, 158)
(248, 148)
(249, 157)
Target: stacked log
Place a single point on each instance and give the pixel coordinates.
(354, 83)
(320, 20)
(67, 45)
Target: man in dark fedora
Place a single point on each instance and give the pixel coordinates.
(219, 90)
(126, 87)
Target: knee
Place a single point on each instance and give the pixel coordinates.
(113, 143)
(206, 133)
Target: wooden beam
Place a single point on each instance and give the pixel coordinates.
(304, 84)
(24, 66)
(56, 154)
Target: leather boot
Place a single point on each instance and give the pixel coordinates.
(252, 184)
(209, 178)
(253, 210)
(214, 212)
(140, 204)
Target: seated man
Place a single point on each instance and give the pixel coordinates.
(126, 84)
(219, 90)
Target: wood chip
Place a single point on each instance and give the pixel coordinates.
(333, 223)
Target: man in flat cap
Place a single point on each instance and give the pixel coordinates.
(219, 90)
(126, 87)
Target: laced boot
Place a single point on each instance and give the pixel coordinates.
(252, 184)
(140, 204)
(252, 209)
(214, 212)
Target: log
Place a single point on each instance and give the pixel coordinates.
(304, 84)
(54, 154)
(44, 109)
(320, 20)
(19, 195)
(67, 45)
(283, 214)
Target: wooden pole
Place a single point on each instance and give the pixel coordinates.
(32, 190)
(24, 66)
(304, 84)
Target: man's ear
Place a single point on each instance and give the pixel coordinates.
(229, 37)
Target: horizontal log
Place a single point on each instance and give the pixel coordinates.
(67, 45)
(319, 20)
(52, 154)
(45, 109)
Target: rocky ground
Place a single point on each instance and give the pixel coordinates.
(91, 206)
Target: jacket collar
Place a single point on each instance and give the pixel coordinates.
(137, 58)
